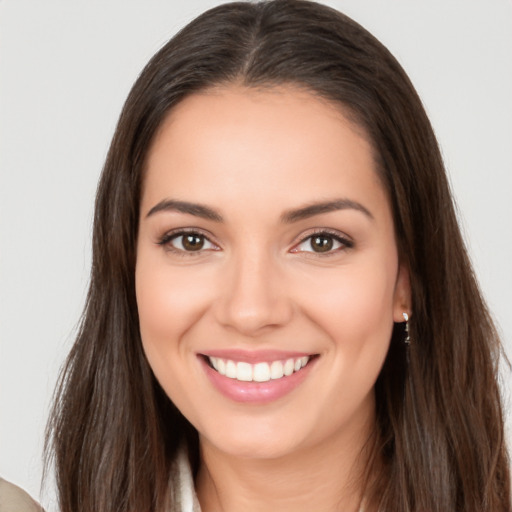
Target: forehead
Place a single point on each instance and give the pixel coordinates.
(283, 143)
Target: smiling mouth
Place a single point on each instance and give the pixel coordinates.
(258, 372)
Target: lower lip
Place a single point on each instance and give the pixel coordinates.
(256, 392)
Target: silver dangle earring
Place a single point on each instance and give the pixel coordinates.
(407, 340)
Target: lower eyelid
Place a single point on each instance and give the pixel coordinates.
(337, 245)
(181, 235)
(344, 243)
(167, 239)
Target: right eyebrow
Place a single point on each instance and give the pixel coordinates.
(196, 209)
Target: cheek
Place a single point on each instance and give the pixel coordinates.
(355, 306)
(357, 315)
(168, 303)
(167, 300)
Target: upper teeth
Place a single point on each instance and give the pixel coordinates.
(259, 372)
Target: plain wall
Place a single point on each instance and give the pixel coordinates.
(65, 70)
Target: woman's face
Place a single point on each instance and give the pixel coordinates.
(267, 272)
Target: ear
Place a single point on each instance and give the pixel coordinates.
(402, 297)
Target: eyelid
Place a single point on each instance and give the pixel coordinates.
(342, 238)
(166, 239)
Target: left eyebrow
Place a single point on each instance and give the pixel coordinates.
(311, 210)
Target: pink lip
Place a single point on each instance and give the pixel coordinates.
(256, 392)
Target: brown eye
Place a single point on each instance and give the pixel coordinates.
(192, 242)
(322, 243)
(187, 242)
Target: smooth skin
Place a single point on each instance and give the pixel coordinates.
(256, 270)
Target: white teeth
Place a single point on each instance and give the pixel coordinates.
(244, 372)
(276, 370)
(231, 369)
(259, 372)
(288, 367)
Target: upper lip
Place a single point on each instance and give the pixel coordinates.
(254, 356)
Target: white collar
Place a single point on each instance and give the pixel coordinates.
(184, 494)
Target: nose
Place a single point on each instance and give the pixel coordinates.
(254, 296)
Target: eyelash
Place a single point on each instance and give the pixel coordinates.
(167, 239)
(345, 242)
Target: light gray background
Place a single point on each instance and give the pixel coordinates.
(65, 69)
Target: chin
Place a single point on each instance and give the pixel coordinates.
(255, 440)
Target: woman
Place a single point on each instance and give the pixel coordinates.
(282, 314)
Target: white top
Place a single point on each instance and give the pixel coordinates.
(184, 494)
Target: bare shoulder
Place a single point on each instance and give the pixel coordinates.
(15, 499)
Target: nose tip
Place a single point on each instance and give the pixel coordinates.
(251, 318)
(253, 300)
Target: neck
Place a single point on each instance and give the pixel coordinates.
(326, 477)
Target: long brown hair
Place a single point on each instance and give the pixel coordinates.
(113, 433)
